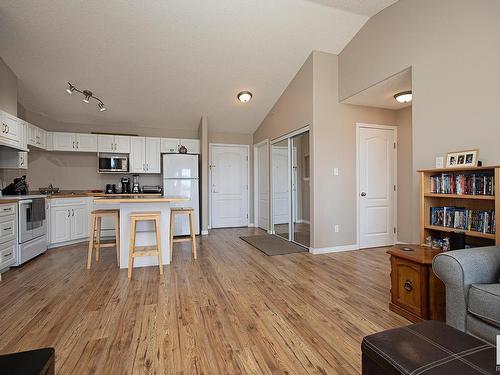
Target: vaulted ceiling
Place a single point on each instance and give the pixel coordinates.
(166, 63)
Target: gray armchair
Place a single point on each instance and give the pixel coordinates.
(471, 277)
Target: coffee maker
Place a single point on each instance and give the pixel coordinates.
(125, 181)
(136, 189)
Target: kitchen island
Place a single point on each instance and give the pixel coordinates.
(145, 233)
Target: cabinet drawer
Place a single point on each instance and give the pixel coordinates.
(64, 202)
(7, 228)
(7, 254)
(7, 209)
(409, 288)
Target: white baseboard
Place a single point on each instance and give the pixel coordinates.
(251, 225)
(204, 232)
(59, 244)
(333, 249)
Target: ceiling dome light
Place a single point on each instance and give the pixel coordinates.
(70, 89)
(403, 97)
(101, 107)
(244, 96)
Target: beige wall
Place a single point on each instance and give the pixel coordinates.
(452, 47)
(293, 110)
(334, 139)
(406, 215)
(8, 89)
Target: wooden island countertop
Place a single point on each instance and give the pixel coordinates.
(140, 199)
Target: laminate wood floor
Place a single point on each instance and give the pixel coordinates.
(233, 311)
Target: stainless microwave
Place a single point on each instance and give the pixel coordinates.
(117, 163)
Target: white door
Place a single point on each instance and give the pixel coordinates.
(86, 142)
(79, 222)
(376, 155)
(105, 143)
(262, 190)
(64, 141)
(137, 154)
(153, 155)
(122, 144)
(281, 209)
(229, 190)
(60, 224)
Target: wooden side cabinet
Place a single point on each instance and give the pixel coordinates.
(416, 293)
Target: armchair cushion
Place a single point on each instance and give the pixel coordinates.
(484, 303)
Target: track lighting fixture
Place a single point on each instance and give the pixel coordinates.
(87, 96)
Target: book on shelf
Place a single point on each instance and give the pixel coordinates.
(463, 183)
(483, 221)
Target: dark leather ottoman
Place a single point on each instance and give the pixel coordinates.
(430, 347)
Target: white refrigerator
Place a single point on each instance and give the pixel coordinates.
(180, 178)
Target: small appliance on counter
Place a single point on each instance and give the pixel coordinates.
(136, 189)
(110, 188)
(152, 189)
(125, 181)
(18, 187)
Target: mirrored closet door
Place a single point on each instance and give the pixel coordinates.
(290, 176)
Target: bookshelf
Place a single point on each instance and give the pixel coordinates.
(430, 199)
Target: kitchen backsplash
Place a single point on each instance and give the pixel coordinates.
(68, 171)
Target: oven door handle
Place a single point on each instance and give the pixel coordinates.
(25, 201)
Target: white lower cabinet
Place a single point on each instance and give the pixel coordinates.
(8, 252)
(69, 219)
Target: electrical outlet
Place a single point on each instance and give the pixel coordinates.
(336, 228)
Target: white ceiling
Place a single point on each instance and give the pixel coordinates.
(166, 63)
(381, 95)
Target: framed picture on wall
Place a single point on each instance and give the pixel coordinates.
(462, 159)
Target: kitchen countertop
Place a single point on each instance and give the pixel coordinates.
(90, 194)
(15, 198)
(5, 201)
(140, 199)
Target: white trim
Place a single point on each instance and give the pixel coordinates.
(72, 242)
(204, 232)
(251, 225)
(265, 143)
(291, 134)
(303, 222)
(210, 145)
(360, 125)
(333, 249)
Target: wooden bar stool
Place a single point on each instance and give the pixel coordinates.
(95, 234)
(192, 236)
(144, 251)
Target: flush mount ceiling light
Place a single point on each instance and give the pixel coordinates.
(87, 96)
(403, 97)
(244, 96)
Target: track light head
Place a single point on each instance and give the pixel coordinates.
(88, 95)
(101, 106)
(70, 89)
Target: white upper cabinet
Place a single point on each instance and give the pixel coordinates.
(86, 142)
(74, 142)
(11, 130)
(153, 155)
(13, 159)
(36, 137)
(137, 154)
(171, 145)
(145, 155)
(113, 143)
(192, 145)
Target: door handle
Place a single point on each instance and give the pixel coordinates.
(73, 144)
(363, 194)
(72, 212)
(8, 129)
(69, 213)
(77, 144)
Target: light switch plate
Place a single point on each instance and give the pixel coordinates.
(335, 171)
(439, 162)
